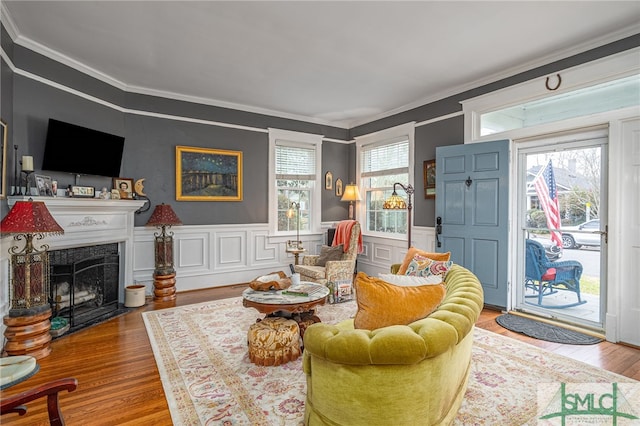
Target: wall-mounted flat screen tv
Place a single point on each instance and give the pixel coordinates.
(75, 149)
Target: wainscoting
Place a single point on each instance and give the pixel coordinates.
(217, 255)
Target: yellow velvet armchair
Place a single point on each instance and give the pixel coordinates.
(396, 375)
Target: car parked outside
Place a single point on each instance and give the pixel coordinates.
(588, 235)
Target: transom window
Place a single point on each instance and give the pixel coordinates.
(609, 96)
(587, 90)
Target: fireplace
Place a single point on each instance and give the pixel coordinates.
(84, 284)
(94, 256)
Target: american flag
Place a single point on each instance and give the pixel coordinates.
(545, 184)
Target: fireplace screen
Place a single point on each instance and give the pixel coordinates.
(84, 283)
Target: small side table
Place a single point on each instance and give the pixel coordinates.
(15, 369)
(296, 253)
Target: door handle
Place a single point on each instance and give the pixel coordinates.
(605, 233)
(438, 230)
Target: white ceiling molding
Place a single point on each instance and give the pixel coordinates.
(367, 108)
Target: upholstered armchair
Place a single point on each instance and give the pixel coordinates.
(333, 270)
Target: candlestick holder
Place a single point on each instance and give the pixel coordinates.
(27, 182)
(17, 186)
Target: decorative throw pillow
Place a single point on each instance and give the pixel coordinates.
(381, 304)
(413, 251)
(330, 253)
(410, 281)
(422, 266)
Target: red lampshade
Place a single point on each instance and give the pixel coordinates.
(29, 217)
(163, 215)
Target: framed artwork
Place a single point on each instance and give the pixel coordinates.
(338, 187)
(43, 185)
(429, 171)
(204, 174)
(328, 180)
(3, 159)
(124, 186)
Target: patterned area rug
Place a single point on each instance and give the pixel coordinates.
(208, 379)
(543, 331)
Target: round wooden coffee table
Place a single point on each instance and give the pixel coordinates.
(299, 307)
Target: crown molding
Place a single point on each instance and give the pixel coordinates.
(344, 124)
(509, 72)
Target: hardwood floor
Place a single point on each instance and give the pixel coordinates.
(118, 382)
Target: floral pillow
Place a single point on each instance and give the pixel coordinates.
(412, 252)
(421, 266)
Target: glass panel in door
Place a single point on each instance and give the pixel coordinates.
(562, 216)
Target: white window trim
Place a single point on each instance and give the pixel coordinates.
(584, 75)
(379, 138)
(300, 139)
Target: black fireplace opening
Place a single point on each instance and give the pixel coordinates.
(84, 286)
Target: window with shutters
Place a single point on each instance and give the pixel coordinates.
(296, 166)
(384, 161)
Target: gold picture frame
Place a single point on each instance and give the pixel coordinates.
(429, 175)
(204, 174)
(124, 186)
(338, 187)
(328, 180)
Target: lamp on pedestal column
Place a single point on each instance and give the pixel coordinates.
(164, 275)
(351, 194)
(396, 202)
(28, 323)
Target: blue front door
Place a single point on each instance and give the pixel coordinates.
(472, 189)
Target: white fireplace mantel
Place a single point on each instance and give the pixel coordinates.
(92, 221)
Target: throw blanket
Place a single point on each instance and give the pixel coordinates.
(343, 235)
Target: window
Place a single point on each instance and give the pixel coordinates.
(384, 159)
(609, 96)
(587, 90)
(295, 170)
(295, 181)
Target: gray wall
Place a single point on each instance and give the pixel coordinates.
(150, 142)
(26, 105)
(451, 131)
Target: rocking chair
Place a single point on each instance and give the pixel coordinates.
(545, 277)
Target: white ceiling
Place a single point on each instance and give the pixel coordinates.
(341, 63)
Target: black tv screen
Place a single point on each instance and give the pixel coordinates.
(75, 149)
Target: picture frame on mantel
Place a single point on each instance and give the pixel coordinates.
(43, 185)
(204, 174)
(124, 186)
(78, 191)
(429, 172)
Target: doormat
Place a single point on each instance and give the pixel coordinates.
(543, 331)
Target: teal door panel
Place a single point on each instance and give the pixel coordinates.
(472, 187)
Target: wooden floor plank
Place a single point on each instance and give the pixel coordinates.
(119, 384)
